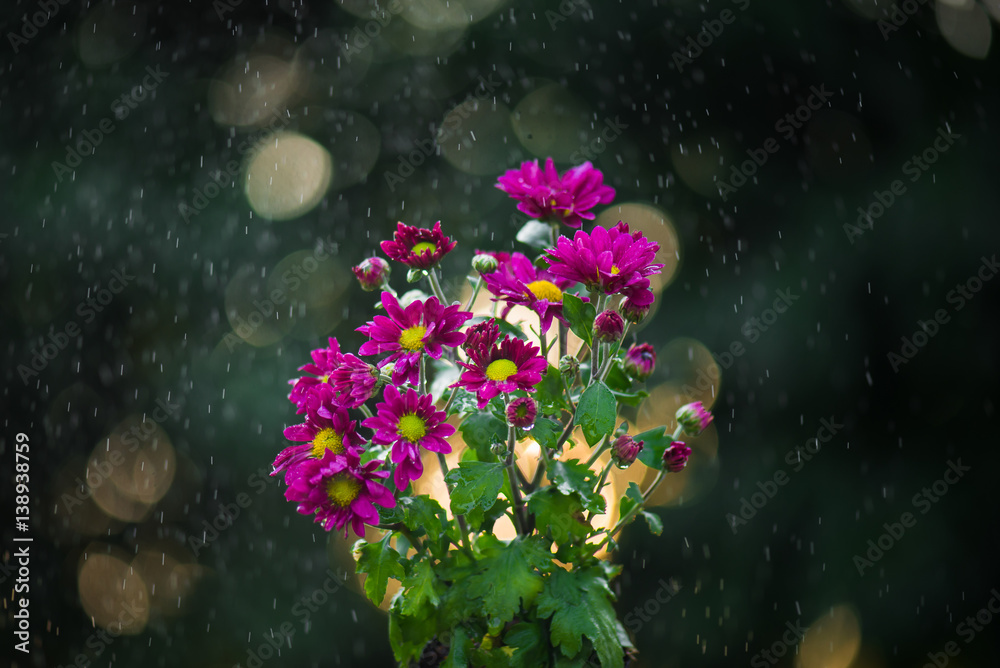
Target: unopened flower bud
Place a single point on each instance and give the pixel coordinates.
(498, 448)
(694, 418)
(568, 366)
(372, 273)
(640, 360)
(625, 450)
(633, 312)
(675, 457)
(414, 275)
(521, 412)
(608, 326)
(484, 263)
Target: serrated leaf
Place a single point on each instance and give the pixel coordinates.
(474, 485)
(423, 514)
(530, 643)
(509, 574)
(419, 589)
(655, 441)
(549, 392)
(535, 234)
(579, 604)
(558, 513)
(632, 498)
(574, 477)
(408, 635)
(654, 522)
(380, 561)
(479, 430)
(580, 315)
(546, 432)
(596, 412)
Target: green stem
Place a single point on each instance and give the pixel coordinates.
(436, 286)
(515, 490)
(601, 447)
(364, 409)
(600, 484)
(451, 399)
(475, 293)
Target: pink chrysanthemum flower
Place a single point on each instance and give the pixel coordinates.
(325, 361)
(612, 261)
(624, 450)
(521, 412)
(418, 247)
(327, 429)
(340, 490)
(422, 327)
(543, 194)
(512, 365)
(694, 418)
(518, 281)
(640, 361)
(354, 381)
(675, 457)
(408, 422)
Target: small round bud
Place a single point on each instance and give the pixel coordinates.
(568, 366)
(694, 418)
(484, 263)
(675, 457)
(414, 275)
(521, 412)
(372, 273)
(608, 326)
(498, 448)
(633, 312)
(625, 450)
(640, 360)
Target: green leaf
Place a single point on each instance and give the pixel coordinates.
(479, 430)
(630, 398)
(457, 650)
(574, 477)
(509, 575)
(535, 234)
(549, 391)
(558, 513)
(655, 441)
(580, 315)
(617, 379)
(579, 604)
(531, 647)
(475, 485)
(419, 588)
(422, 514)
(380, 562)
(632, 499)
(654, 522)
(596, 412)
(546, 432)
(408, 635)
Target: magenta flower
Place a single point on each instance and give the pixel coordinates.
(372, 273)
(327, 429)
(625, 450)
(543, 194)
(518, 281)
(422, 327)
(408, 422)
(694, 418)
(521, 412)
(325, 360)
(635, 312)
(418, 247)
(354, 381)
(675, 457)
(612, 261)
(608, 326)
(340, 490)
(512, 365)
(640, 360)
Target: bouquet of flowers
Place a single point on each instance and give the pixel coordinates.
(467, 597)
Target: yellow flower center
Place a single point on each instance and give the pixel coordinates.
(615, 270)
(327, 439)
(413, 338)
(501, 370)
(546, 290)
(423, 246)
(343, 488)
(412, 428)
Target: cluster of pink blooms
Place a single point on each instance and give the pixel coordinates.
(324, 472)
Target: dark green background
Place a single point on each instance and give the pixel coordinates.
(825, 357)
